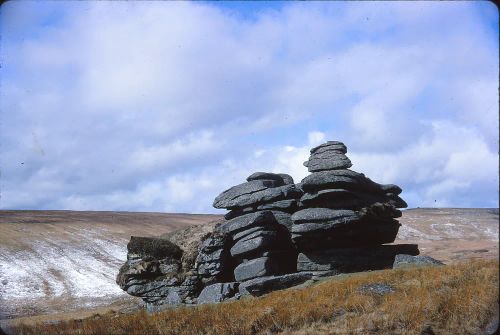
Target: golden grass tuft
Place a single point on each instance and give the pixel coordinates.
(453, 299)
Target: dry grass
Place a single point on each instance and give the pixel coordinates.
(454, 299)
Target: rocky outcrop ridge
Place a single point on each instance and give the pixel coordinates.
(277, 234)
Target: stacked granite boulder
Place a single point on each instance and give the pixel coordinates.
(276, 235)
(344, 217)
(262, 191)
(213, 263)
(258, 225)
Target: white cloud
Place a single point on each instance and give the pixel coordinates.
(451, 159)
(162, 105)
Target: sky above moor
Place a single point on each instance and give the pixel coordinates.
(160, 106)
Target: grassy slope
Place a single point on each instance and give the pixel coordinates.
(455, 299)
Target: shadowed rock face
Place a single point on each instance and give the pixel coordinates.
(277, 234)
(347, 260)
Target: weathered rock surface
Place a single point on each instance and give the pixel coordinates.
(266, 176)
(260, 267)
(334, 179)
(327, 160)
(284, 219)
(309, 236)
(342, 198)
(255, 192)
(213, 262)
(263, 285)
(354, 259)
(341, 179)
(404, 260)
(330, 145)
(324, 214)
(287, 179)
(265, 241)
(217, 292)
(244, 222)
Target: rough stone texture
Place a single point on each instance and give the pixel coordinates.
(342, 198)
(347, 260)
(247, 247)
(238, 212)
(226, 198)
(340, 216)
(287, 179)
(217, 292)
(169, 298)
(244, 222)
(311, 236)
(404, 260)
(330, 145)
(266, 176)
(339, 179)
(391, 188)
(288, 205)
(327, 160)
(260, 267)
(255, 192)
(397, 201)
(138, 272)
(213, 241)
(338, 198)
(263, 285)
(284, 219)
(210, 256)
(213, 262)
(211, 272)
(254, 232)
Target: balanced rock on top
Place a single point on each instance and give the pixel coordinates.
(342, 211)
(328, 156)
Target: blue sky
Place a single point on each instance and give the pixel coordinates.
(160, 106)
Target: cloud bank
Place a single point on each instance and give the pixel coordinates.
(160, 106)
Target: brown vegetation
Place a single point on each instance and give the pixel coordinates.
(454, 299)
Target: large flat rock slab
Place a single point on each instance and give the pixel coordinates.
(347, 260)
